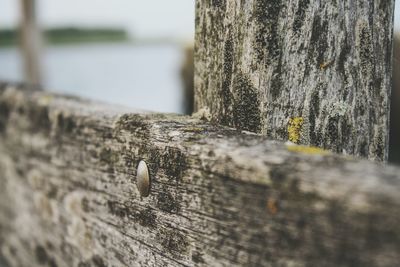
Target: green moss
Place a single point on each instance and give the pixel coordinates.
(147, 218)
(197, 257)
(174, 162)
(300, 15)
(95, 261)
(117, 209)
(134, 123)
(4, 114)
(246, 107)
(39, 117)
(65, 125)
(173, 242)
(41, 254)
(318, 44)
(267, 40)
(108, 156)
(167, 202)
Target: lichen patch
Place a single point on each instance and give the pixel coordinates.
(294, 129)
(307, 150)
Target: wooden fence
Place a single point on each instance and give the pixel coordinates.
(218, 195)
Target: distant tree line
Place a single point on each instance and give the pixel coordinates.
(68, 35)
(8, 37)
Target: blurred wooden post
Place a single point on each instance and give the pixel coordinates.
(30, 42)
(187, 76)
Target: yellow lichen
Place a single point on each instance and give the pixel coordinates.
(307, 150)
(45, 100)
(294, 129)
(194, 129)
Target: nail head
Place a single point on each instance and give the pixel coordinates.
(143, 179)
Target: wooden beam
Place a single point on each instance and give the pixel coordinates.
(310, 71)
(218, 197)
(30, 42)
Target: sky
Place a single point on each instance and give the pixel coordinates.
(142, 18)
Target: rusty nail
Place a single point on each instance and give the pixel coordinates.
(143, 179)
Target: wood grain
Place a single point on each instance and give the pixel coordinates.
(261, 63)
(219, 197)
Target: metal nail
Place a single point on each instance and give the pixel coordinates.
(143, 179)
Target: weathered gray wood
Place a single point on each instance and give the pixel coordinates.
(30, 42)
(219, 197)
(311, 71)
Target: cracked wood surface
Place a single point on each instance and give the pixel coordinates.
(261, 63)
(219, 197)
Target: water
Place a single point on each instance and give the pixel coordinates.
(143, 77)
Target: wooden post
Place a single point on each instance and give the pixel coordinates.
(30, 42)
(309, 71)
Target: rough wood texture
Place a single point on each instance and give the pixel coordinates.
(219, 197)
(326, 64)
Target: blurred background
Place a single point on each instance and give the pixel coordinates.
(128, 52)
(394, 140)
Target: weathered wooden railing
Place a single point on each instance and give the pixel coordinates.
(219, 196)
